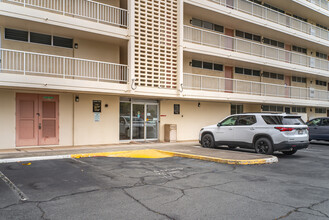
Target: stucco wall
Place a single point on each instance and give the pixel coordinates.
(192, 118)
(89, 132)
(7, 119)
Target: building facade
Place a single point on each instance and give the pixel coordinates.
(81, 72)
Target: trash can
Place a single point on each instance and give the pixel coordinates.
(170, 132)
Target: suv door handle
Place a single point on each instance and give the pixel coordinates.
(252, 128)
(230, 129)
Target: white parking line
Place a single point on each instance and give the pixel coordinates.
(13, 187)
(25, 159)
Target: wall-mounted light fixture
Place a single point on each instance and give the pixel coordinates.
(76, 99)
(76, 46)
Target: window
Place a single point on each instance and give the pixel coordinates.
(62, 42)
(325, 122)
(33, 37)
(273, 75)
(320, 110)
(320, 83)
(248, 72)
(273, 8)
(273, 43)
(300, 18)
(196, 63)
(298, 79)
(247, 35)
(40, 38)
(218, 28)
(207, 25)
(256, 1)
(218, 67)
(321, 55)
(16, 35)
(314, 122)
(299, 109)
(229, 121)
(246, 120)
(236, 109)
(272, 108)
(280, 120)
(321, 26)
(207, 65)
(256, 72)
(196, 22)
(299, 49)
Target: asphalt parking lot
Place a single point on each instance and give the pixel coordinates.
(170, 188)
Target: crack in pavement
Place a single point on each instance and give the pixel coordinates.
(145, 206)
(310, 207)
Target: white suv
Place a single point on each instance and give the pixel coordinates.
(263, 132)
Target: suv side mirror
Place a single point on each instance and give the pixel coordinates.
(218, 125)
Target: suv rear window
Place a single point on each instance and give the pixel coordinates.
(280, 120)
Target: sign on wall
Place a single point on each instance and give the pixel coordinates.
(97, 116)
(97, 106)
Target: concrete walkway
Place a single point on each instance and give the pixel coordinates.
(181, 149)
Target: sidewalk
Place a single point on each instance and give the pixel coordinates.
(180, 149)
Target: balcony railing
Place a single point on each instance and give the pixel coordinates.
(87, 9)
(274, 16)
(213, 39)
(27, 63)
(220, 84)
(321, 3)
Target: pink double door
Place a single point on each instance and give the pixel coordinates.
(37, 120)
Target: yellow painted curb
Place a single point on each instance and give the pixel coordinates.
(155, 154)
(147, 153)
(221, 160)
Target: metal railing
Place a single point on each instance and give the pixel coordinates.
(221, 84)
(27, 63)
(213, 39)
(321, 3)
(274, 16)
(87, 9)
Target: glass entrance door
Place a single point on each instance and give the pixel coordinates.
(151, 121)
(138, 131)
(139, 121)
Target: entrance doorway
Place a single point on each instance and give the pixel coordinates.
(37, 120)
(139, 121)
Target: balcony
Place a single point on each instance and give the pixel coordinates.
(27, 63)
(274, 16)
(85, 9)
(321, 3)
(212, 39)
(220, 84)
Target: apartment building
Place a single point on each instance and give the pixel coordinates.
(81, 72)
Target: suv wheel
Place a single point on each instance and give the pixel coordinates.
(263, 146)
(290, 152)
(207, 141)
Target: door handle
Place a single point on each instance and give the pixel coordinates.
(252, 128)
(230, 129)
(39, 126)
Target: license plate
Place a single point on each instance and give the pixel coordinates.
(300, 131)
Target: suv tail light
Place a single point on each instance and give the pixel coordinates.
(284, 129)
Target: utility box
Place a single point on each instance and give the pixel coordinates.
(170, 132)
